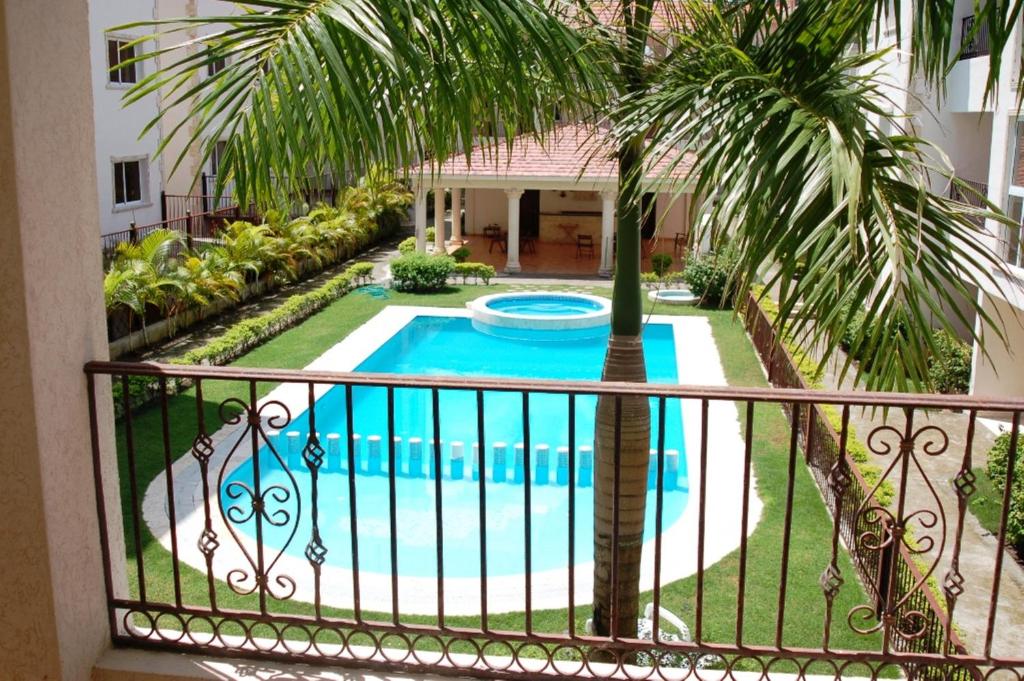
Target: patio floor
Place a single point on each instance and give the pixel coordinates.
(557, 258)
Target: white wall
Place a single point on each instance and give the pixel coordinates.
(672, 215)
(484, 206)
(118, 128)
(1001, 373)
(552, 201)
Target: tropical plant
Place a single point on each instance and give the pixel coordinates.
(142, 275)
(709, 276)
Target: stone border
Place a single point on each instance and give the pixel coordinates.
(698, 363)
(485, 314)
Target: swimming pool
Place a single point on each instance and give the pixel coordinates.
(450, 346)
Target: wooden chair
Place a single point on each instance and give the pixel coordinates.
(679, 243)
(528, 244)
(493, 233)
(584, 245)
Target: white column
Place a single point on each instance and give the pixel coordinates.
(512, 261)
(608, 198)
(456, 216)
(421, 218)
(439, 193)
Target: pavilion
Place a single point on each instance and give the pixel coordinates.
(557, 191)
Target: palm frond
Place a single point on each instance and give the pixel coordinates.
(338, 85)
(798, 174)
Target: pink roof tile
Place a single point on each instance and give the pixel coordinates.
(568, 152)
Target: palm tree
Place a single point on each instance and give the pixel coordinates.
(142, 275)
(800, 172)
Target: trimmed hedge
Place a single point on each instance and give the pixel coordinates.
(998, 458)
(419, 272)
(811, 372)
(651, 278)
(246, 335)
(481, 271)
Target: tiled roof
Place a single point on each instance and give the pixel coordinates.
(569, 152)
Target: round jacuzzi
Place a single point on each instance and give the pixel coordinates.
(679, 296)
(535, 315)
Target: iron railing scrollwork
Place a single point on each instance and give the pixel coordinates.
(266, 552)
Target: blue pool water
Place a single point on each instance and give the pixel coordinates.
(448, 346)
(544, 306)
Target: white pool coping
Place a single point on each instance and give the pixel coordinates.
(698, 363)
(484, 313)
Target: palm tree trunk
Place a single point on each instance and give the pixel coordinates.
(625, 421)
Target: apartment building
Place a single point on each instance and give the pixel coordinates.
(130, 174)
(984, 140)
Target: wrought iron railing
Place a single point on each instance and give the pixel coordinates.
(974, 40)
(194, 217)
(240, 490)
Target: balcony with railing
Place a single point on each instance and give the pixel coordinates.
(974, 41)
(267, 516)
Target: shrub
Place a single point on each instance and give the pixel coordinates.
(998, 457)
(407, 246)
(707, 276)
(651, 278)
(461, 254)
(949, 368)
(431, 235)
(420, 272)
(661, 263)
(362, 272)
(481, 271)
(849, 338)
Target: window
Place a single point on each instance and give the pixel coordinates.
(216, 66)
(129, 182)
(216, 156)
(119, 51)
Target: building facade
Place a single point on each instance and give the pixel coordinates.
(983, 138)
(130, 174)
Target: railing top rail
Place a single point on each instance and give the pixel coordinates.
(774, 395)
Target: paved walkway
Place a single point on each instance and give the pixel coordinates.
(932, 487)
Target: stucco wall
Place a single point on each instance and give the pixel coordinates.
(53, 605)
(672, 215)
(484, 206)
(118, 127)
(1001, 373)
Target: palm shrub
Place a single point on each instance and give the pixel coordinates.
(421, 273)
(143, 276)
(998, 458)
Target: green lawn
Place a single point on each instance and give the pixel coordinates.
(811, 534)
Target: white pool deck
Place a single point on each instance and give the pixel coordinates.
(698, 363)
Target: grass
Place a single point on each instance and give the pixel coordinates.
(987, 502)
(811, 525)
